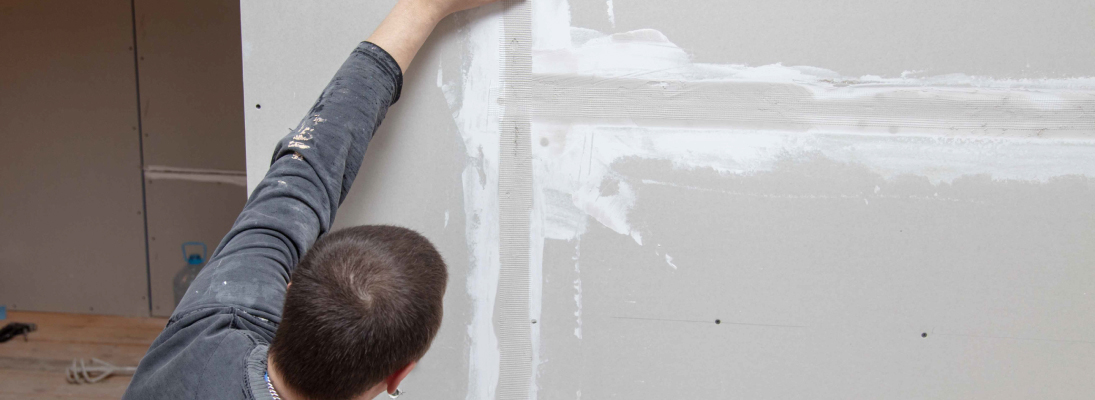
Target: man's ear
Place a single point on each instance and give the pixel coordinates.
(396, 378)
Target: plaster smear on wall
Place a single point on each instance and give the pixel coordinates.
(469, 98)
(574, 153)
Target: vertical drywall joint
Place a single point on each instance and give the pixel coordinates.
(515, 204)
(140, 148)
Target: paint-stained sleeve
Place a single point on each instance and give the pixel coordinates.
(310, 174)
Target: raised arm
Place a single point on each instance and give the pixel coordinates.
(310, 174)
(313, 168)
(410, 23)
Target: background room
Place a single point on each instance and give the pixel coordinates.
(635, 199)
(124, 121)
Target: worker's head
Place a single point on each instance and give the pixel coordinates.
(363, 307)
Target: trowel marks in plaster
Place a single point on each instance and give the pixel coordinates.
(471, 105)
(601, 99)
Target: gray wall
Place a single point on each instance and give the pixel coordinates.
(73, 229)
(1023, 39)
(191, 83)
(192, 119)
(73, 223)
(855, 234)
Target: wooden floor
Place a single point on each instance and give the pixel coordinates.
(35, 369)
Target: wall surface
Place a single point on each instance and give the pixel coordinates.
(71, 223)
(185, 211)
(191, 85)
(192, 124)
(730, 200)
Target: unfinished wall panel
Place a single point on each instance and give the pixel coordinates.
(191, 83)
(1023, 39)
(192, 116)
(707, 222)
(71, 229)
(181, 210)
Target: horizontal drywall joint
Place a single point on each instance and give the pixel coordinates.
(159, 172)
(949, 110)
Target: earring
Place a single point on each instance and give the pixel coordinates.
(396, 393)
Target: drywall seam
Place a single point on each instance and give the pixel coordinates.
(514, 206)
(159, 172)
(862, 107)
(637, 94)
(597, 99)
(469, 96)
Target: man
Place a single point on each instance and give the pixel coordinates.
(364, 303)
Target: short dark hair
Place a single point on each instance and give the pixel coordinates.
(363, 303)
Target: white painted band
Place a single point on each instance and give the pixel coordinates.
(159, 172)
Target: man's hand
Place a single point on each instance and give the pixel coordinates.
(450, 6)
(409, 24)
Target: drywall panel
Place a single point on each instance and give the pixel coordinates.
(72, 236)
(770, 231)
(707, 223)
(183, 208)
(192, 121)
(191, 83)
(787, 281)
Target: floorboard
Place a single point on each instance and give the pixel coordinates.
(35, 368)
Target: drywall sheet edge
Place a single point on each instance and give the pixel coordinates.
(515, 204)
